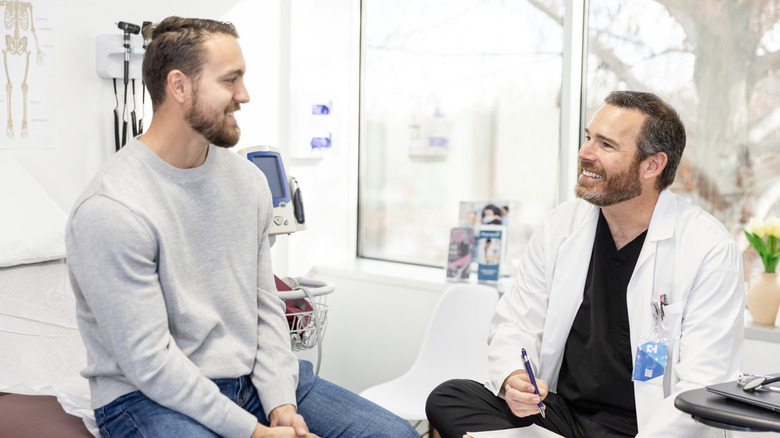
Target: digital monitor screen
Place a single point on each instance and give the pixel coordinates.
(270, 167)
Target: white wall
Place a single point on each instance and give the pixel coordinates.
(323, 49)
(377, 317)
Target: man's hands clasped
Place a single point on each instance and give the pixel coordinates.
(285, 423)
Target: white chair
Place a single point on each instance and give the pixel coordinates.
(454, 346)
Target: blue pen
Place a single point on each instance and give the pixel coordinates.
(530, 372)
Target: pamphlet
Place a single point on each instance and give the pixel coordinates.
(459, 256)
(479, 214)
(490, 251)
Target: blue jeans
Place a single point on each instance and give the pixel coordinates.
(329, 410)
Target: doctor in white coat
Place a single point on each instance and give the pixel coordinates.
(685, 294)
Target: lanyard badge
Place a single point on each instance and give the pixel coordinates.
(653, 349)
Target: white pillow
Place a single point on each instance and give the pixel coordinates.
(32, 225)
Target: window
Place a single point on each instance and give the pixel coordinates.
(460, 101)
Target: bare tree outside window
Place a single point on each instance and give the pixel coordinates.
(718, 62)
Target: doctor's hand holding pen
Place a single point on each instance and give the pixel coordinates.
(520, 394)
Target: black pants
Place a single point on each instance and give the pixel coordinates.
(459, 406)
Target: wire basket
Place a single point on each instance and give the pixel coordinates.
(308, 314)
(307, 327)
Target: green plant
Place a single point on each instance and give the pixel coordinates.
(763, 236)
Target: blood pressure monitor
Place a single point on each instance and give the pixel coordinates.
(288, 203)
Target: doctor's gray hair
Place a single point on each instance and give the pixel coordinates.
(662, 131)
(177, 44)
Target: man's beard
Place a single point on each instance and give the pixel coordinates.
(615, 188)
(208, 124)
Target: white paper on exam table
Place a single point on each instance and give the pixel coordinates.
(532, 431)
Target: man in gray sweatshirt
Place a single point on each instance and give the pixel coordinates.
(169, 259)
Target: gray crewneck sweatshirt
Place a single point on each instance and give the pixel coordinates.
(172, 275)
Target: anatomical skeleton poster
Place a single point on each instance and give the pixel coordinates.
(28, 74)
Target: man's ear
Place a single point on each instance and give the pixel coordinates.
(654, 165)
(178, 85)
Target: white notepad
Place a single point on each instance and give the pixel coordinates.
(532, 431)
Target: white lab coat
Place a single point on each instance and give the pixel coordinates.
(687, 255)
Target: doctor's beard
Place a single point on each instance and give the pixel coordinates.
(614, 188)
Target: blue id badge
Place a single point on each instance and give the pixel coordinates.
(650, 363)
(653, 349)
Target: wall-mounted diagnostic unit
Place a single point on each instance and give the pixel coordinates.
(121, 57)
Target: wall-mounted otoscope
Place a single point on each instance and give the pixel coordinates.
(127, 28)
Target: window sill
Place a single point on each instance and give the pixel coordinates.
(397, 274)
(375, 271)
